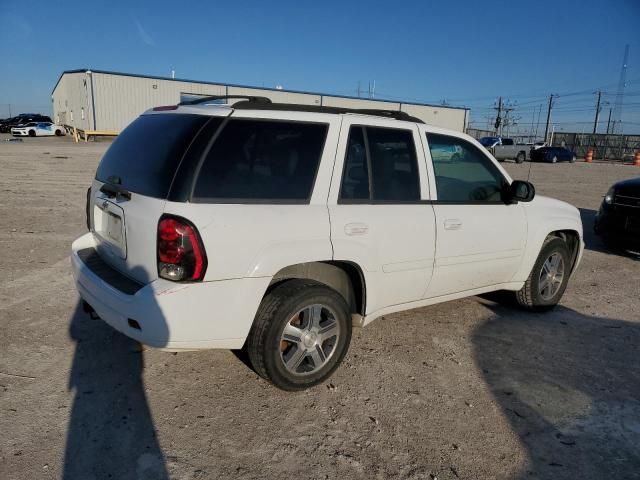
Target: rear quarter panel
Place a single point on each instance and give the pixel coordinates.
(257, 240)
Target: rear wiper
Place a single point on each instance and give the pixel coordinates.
(115, 191)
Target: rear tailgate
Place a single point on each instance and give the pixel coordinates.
(141, 165)
(125, 232)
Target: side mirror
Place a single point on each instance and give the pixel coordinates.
(522, 191)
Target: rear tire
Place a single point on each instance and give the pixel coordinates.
(521, 157)
(286, 344)
(545, 286)
(554, 160)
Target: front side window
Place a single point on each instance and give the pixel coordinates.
(380, 166)
(463, 173)
(258, 160)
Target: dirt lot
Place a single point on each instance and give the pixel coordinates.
(468, 389)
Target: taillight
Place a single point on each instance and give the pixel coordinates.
(181, 256)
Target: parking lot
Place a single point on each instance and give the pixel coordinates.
(474, 388)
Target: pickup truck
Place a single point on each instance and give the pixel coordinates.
(506, 149)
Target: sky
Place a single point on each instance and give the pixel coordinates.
(465, 53)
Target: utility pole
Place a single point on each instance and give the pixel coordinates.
(498, 124)
(535, 135)
(358, 88)
(609, 121)
(546, 129)
(595, 122)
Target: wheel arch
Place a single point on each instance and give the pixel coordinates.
(347, 278)
(572, 239)
(570, 235)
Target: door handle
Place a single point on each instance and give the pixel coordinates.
(356, 229)
(453, 224)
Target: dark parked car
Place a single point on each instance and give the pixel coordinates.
(23, 118)
(552, 155)
(618, 220)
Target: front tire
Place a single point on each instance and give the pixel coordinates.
(32, 133)
(573, 159)
(300, 335)
(549, 277)
(58, 133)
(554, 159)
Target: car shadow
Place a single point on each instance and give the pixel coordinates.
(111, 433)
(569, 384)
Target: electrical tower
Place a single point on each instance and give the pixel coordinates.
(617, 106)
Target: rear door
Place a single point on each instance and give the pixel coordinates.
(480, 239)
(380, 215)
(131, 186)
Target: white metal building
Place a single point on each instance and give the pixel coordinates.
(109, 101)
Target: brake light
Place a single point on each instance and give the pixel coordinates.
(181, 255)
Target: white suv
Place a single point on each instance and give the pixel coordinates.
(280, 227)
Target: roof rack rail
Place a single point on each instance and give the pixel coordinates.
(251, 98)
(294, 107)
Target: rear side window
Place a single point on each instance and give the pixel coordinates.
(262, 161)
(355, 179)
(145, 156)
(380, 166)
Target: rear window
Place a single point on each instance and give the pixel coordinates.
(261, 160)
(145, 156)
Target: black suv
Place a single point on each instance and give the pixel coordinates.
(618, 220)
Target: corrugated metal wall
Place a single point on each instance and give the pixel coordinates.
(120, 98)
(72, 101)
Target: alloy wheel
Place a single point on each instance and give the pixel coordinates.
(309, 339)
(551, 276)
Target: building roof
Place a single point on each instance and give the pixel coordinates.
(153, 77)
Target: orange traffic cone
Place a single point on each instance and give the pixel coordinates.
(589, 156)
(636, 159)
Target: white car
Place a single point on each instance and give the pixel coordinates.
(37, 129)
(279, 227)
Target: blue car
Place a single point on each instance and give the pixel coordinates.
(553, 155)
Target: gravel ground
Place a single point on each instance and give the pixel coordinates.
(468, 389)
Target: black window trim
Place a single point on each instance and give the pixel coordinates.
(256, 201)
(370, 200)
(463, 202)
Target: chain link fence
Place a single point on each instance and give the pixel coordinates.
(615, 148)
(612, 148)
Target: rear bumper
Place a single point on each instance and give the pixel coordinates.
(173, 316)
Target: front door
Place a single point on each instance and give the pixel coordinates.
(480, 239)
